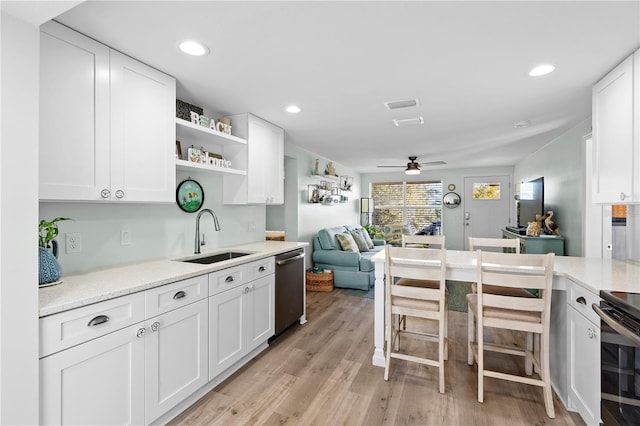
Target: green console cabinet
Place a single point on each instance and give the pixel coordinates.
(537, 245)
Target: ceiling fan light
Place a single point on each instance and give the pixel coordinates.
(412, 169)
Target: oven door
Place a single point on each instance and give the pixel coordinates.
(620, 366)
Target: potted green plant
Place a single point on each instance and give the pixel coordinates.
(49, 268)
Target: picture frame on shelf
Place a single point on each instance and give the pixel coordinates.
(194, 155)
(346, 183)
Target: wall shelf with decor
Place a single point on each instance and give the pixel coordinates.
(226, 151)
(325, 195)
(336, 178)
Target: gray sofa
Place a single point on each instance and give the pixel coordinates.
(350, 269)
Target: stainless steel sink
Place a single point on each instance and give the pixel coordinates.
(218, 257)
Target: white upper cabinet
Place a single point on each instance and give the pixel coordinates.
(616, 141)
(143, 132)
(264, 161)
(107, 129)
(74, 115)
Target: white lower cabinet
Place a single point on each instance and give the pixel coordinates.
(176, 347)
(137, 359)
(583, 331)
(97, 382)
(240, 320)
(132, 375)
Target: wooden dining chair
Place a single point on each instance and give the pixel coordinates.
(524, 314)
(415, 301)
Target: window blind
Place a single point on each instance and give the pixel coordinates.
(417, 204)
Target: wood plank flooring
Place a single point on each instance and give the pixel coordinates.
(321, 374)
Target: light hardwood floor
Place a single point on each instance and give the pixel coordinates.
(321, 374)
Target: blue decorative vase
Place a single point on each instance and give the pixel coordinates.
(49, 267)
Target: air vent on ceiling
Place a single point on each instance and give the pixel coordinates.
(409, 121)
(402, 104)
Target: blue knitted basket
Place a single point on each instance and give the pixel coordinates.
(49, 267)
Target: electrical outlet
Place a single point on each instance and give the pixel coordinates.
(74, 242)
(125, 237)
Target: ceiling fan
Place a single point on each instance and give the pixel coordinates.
(413, 168)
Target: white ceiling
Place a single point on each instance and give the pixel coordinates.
(467, 62)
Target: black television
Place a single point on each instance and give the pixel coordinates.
(531, 201)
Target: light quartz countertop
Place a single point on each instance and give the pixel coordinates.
(85, 288)
(591, 273)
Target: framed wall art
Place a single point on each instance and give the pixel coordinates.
(189, 196)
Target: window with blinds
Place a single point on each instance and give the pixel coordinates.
(417, 204)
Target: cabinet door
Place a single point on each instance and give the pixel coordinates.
(226, 329)
(260, 311)
(74, 115)
(265, 162)
(176, 348)
(613, 136)
(142, 132)
(584, 366)
(98, 382)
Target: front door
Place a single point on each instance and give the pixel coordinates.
(486, 203)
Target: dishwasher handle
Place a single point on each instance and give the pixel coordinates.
(289, 260)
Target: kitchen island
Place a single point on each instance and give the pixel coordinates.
(575, 328)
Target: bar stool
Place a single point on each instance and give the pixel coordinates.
(525, 314)
(415, 301)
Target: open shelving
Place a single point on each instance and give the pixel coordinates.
(231, 148)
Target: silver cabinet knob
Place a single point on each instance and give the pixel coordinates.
(119, 194)
(105, 193)
(624, 196)
(141, 332)
(590, 333)
(155, 326)
(246, 290)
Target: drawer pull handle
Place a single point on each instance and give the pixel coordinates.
(261, 269)
(100, 319)
(581, 300)
(229, 279)
(155, 326)
(179, 295)
(141, 332)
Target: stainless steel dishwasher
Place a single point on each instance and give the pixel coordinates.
(289, 288)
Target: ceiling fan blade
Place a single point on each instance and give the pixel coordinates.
(433, 163)
(404, 165)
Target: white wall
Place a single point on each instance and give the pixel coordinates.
(560, 163)
(452, 219)
(157, 230)
(19, 58)
(313, 217)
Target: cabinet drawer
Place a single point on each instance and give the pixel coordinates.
(226, 279)
(70, 328)
(171, 296)
(260, 268)
(581, 300)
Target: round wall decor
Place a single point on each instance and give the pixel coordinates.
(451, 187)
(189, 196)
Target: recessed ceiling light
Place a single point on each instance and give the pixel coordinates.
(293, 109)
(541, 70)
(409, 121)
(193, 48)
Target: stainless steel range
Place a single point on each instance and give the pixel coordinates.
(620, 357)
